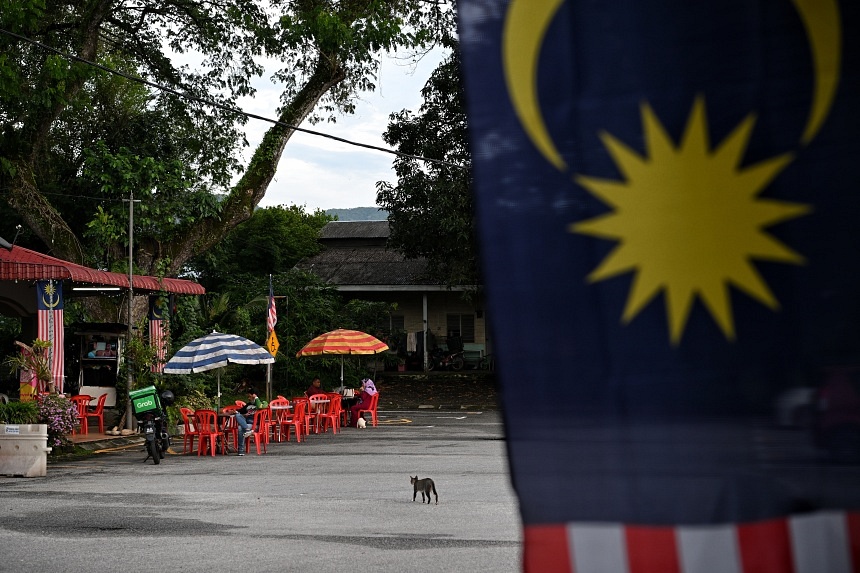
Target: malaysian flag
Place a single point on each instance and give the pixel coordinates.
(272, 312)
(49, 305)
(159, 321)
(667, 202)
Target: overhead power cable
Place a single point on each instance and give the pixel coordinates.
(224, 107)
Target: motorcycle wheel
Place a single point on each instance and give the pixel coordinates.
(457, 363)
(152, 450)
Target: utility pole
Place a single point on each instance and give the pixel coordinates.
(130, 378)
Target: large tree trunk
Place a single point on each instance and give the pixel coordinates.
(24, 195)
(251, 189)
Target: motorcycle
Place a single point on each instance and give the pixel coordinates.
(441, 360)
(152, 420)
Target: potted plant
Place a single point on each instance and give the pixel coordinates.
(33, 359)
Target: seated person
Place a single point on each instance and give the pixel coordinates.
(245, 417)
(314, 388)
(367, 390)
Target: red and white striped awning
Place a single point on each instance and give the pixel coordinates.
(23, 264)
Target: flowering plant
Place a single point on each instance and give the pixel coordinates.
(61, 416)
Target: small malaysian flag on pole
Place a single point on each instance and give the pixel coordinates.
(159, 312)
(272, 314)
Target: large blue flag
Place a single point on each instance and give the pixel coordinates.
(668, 199)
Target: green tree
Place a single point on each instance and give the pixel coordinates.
(272, 241)
(430, 207)
(306, 308)
(72, 132)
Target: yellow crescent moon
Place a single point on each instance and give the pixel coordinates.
(525, 27)
(821, 20)
(527, 21)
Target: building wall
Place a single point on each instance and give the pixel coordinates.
(439, 305)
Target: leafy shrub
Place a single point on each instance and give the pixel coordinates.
(61, 416)
(19, 413)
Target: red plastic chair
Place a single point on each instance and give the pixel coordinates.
(191, 432)
(280, 413)
(319, 407)
(306, 418)
(98, 413)
(207, 424)
(296, 419)
(229, 428)
(330, 418)
(82, 403)
(372, 408)
(261, 431)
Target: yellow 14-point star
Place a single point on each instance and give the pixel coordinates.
(688, 220)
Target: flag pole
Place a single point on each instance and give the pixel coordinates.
(271, 320)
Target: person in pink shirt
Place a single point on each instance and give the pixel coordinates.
(367, 390)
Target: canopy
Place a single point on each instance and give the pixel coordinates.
(216, 350)
(19, 263)
(342, 342)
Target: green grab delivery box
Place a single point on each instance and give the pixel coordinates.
(144, 400)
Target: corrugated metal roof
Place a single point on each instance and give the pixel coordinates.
(23, 264)
(365, 266)
(355, 230)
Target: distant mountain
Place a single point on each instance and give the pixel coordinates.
(359, 214)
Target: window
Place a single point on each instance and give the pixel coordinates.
(462, 325)
(398, 323)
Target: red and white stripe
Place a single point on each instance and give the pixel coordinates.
(158, 340)
(50, 328)
(271, 315)
(807, 543)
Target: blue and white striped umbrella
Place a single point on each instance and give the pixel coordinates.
(216, 350)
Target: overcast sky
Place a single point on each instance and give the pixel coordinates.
(316, 172)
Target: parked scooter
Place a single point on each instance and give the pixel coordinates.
(152, 420)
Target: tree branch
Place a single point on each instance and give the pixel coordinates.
(251, 189)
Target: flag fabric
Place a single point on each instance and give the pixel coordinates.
(49, 311)
(159, 322)
(272, 312)
(667, 202)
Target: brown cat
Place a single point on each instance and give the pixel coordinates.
(425, 486)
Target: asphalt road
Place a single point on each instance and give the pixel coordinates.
(333, 503)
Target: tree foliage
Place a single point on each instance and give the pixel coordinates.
(430, 207)
(77, 140)
(272, 241)
(305, 307)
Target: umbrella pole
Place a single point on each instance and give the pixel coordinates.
(218, 374)
(341, 372)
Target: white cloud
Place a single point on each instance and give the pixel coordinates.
(322, 173)
(318, 172)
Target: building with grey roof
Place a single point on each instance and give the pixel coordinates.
(355, 259)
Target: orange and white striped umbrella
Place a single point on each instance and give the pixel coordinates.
(342, 342)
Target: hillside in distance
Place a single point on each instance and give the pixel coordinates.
(359, 214)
